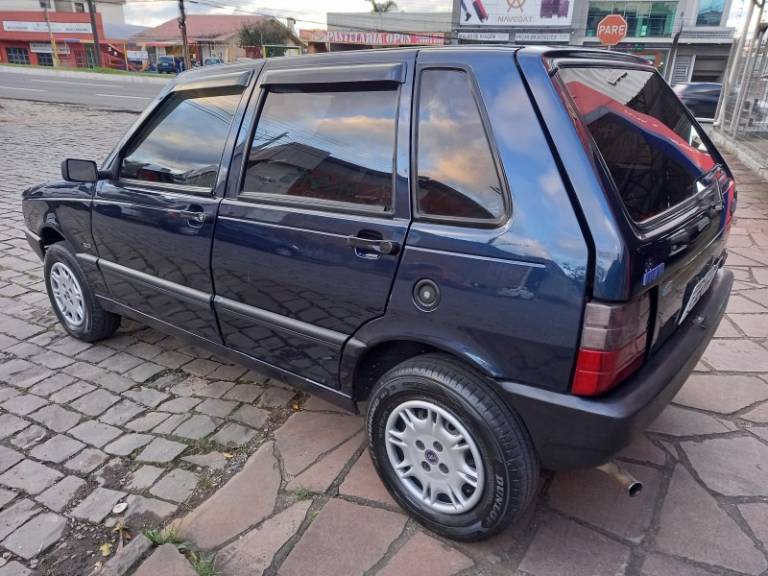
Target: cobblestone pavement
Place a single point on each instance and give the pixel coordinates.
(276, 483)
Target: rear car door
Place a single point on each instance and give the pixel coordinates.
(308, 240)
(153, 221)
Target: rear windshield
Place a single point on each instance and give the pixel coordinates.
(653, 152)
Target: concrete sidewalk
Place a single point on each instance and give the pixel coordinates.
(260, 480)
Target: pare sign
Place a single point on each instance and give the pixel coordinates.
(612, 29)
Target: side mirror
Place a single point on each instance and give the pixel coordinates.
(74, 170)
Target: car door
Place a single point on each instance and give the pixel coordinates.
(308, 240)
(153, 221)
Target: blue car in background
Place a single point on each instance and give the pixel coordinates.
(512, 256)
(169, 65)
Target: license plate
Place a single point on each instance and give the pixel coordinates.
(698, 291)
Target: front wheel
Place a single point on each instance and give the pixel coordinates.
(449, 450)
(72, 299)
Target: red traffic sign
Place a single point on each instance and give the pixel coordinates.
(612, 29)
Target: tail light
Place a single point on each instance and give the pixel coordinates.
(613, 344)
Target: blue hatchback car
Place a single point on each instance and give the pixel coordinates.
(513, 255)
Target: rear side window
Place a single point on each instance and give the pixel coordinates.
(183, 143)
(333, 148)
(653, 152)
(457, 176)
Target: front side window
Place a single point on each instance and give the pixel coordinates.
(457, 177)
(333, 147)
(654, 153)
(184, 141)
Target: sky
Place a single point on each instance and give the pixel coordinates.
(309, 13)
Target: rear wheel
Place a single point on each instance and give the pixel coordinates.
(72, 299)
(448, 449)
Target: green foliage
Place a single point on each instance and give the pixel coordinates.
(203, 565)
(268, 31)
(385, 6)
(160, 536)
(301, 493)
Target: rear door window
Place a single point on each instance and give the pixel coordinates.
(655, 155)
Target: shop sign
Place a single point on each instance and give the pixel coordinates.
(56, 27)
(542, 37)
(374, 38)
(485, 36)
(516, 12)
(45, 48)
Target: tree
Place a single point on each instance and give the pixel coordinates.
(385, 6)
(267, 31)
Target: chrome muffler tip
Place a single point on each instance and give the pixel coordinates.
(632, 485)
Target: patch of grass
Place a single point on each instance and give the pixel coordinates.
(97, 70)
(205, 481)
(160, 536)
(311, 516)
(301, 493)
(204, 565)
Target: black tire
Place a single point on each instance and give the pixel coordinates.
(97, 323)
(511, 468)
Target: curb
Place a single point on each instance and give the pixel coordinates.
(86, 75)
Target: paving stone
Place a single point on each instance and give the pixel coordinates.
(361, 537)
(212, 460)
(15, 569)
(722, 393)
(10, 424)
(274, 397)
(234, 435)
(56, 418)
(676, 421)
(201, 367)
(57, 449)
(8, 458)
(72, 392)
(175, 486)
(326, 431)
(141, 506)
(120, 362)
(36, 536)
(51, 359)
(758, 414)
(144, 371)
(216, 407)
(594, 497)
(121, 413)
(733, 466)
(657, 565)
(96, 354)
(180, 405)
(29, 377)
(147, 396)
(252, 553)
(166, 561)
(753, 325)
(422, 555)
(60, 494)
(363, 482)
(564, 547)
(643, 450)
(143, 477)
(86, 461)
(317, 404)
(173, 360)
(196, 427)
(252, 416)
(756, 515)
(320, 476)
(170, 424)
(227, 372)
(716, 539)
(30, 476)
(52, 384)
(199, 387)
(736, 355)
(6, 393)
(223, 516)
(161, 451)
(147, 422)
(126, 558)
(95, 402)
(24, 404)
(247, 393)
(15, 515)
(95, 433)
(6, 496)
(97, 505)
(127, 443)
(29, 437)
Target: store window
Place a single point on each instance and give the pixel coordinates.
(44, 59)
(17, 55)
(644, 19)
(710, 12)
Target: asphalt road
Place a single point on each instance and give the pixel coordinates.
(109, 93)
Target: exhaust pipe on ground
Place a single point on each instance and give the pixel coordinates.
(632, 485)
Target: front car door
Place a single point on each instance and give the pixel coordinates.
(308, 240)
(153, 221)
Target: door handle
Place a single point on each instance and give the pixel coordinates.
(372, 245)
(194, 215)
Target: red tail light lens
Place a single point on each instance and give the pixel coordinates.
(612, 345)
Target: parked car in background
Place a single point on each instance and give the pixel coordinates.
(701, 98)
(507, 287)
(212, 61)
(168, 65)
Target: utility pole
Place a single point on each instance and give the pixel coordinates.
(95, 32)
(54, 52)
(183, 28)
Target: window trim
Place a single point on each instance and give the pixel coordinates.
(141, 131)
(330, 206)
(474, 88)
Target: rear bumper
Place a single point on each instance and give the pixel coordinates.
(573, 432)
